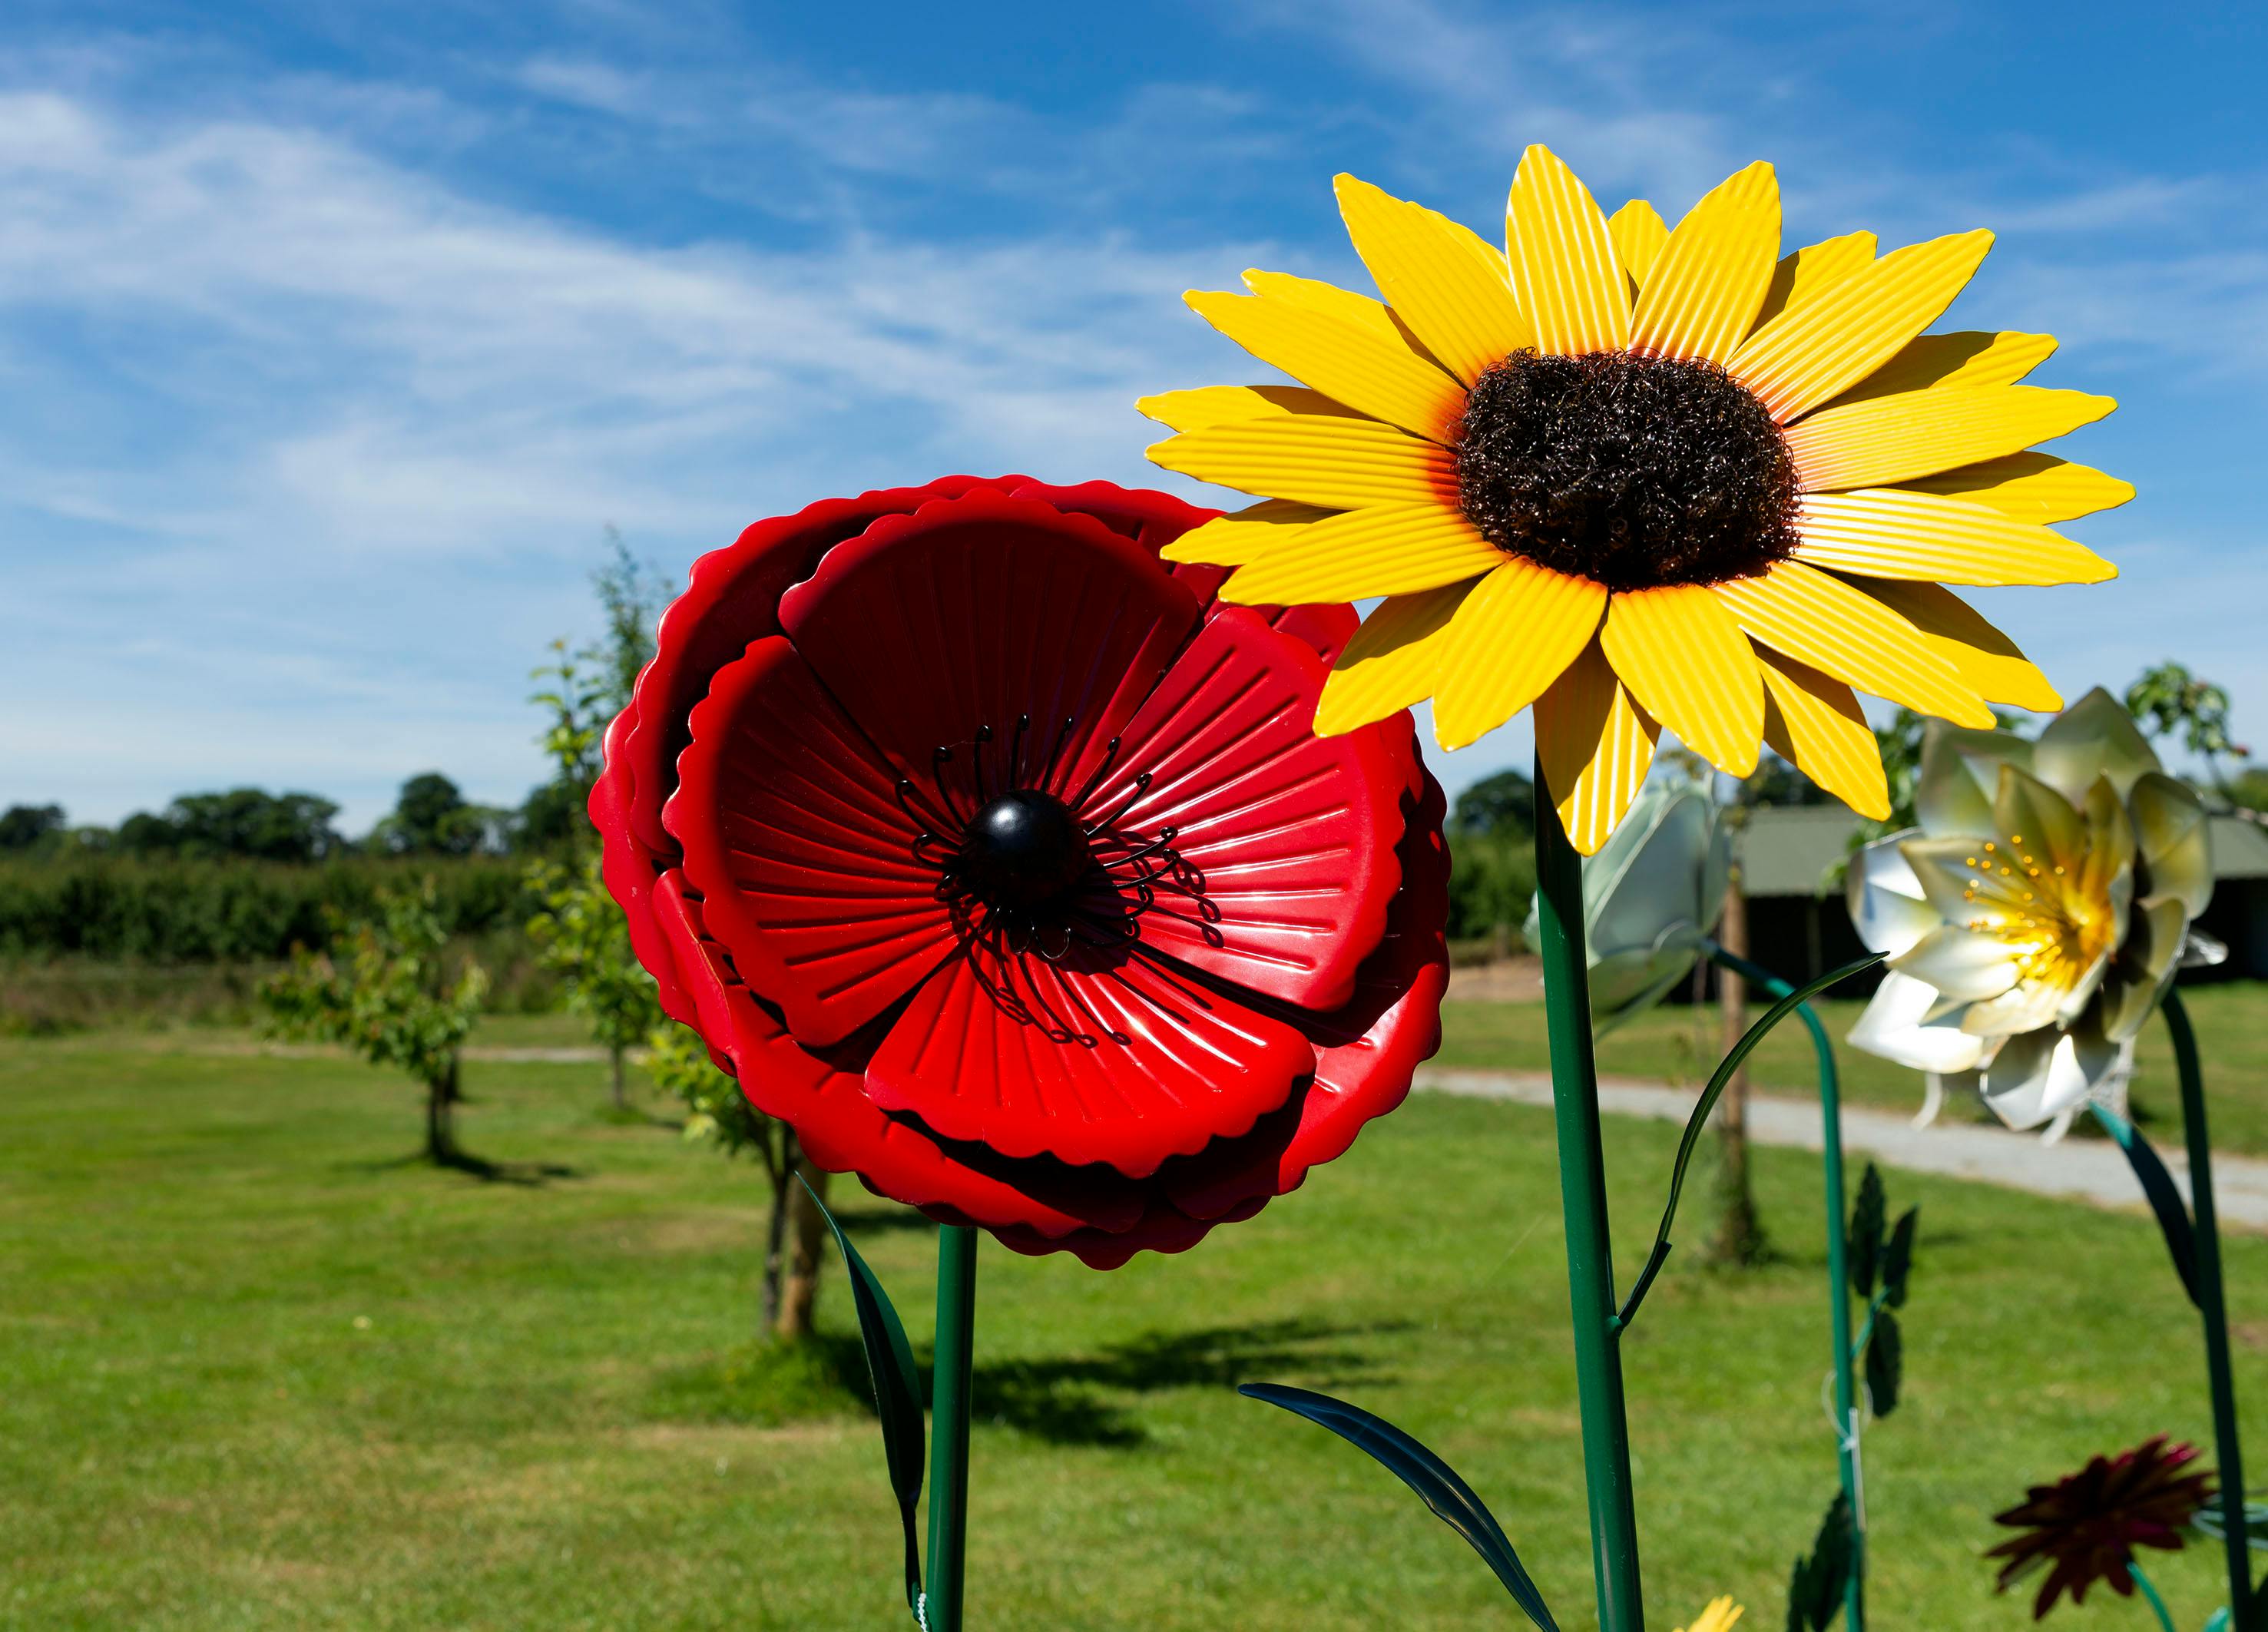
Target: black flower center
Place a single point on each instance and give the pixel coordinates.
(1632, 471)
(1023, 848)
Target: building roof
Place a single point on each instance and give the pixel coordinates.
(1790, 849)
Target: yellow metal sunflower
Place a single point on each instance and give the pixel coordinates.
(1718, 1617)
(1640, 478)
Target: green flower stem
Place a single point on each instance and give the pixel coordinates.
(1583, 1204)
(2150, 1591)
(1838, 1278)
(948, 1467)
(2243, 1616)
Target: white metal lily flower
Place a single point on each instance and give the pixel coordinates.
(1651, 896)
(2038, 912)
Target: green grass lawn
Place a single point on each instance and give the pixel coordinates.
(1681, 1044)
(257, 1372)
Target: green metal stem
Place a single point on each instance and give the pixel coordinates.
(948, 1467)
(2150, 1591)
(1583, 1204)
(1838, 1277)
(2214, 1306)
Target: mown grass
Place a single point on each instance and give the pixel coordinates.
(1680, 1044)
(256, 1371)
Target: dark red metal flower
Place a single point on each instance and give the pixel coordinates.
(2087, 1525)
(989, 850)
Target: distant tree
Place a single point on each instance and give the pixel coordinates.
(582, 937)
(580, 934)
(29, 826)
(718, 1115)
(1499, 806)
(432, 817)
(2169, 700)
(384, 989)
(242, 821)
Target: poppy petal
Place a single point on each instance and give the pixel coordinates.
(795, 839)
(1098, 1057)
(1280, 837)
(936, 628)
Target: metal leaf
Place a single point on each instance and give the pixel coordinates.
(1865, 1240)
(1885, 1363)
(1707, 1103)
(1815, 1588)
(1437, 1484)
(1897, 1261)
(2165, 1198)
(897, 1401)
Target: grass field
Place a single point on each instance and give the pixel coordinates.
(257, 1372)
(2231, 1021)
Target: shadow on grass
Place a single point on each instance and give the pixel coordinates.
(1070, 1401)
(529, 1173)
(1074, 1400)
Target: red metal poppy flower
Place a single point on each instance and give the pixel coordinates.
(2087, 1525)
(993, 854)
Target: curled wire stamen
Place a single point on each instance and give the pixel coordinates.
(1140, 786)
(1016, 750)
(1109, 757)
(976, 763)
(940, 757)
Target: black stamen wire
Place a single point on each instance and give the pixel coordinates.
(1141, 785)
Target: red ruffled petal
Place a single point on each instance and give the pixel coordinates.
(1284, 839)
(795, 839)
(1097, 1057)
(977, 611)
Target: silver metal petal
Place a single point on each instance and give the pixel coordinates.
(1885, 899)
(1894, 1026)
(2094, 737)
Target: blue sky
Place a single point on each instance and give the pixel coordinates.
(330, 343)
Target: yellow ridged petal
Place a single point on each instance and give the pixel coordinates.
(1807, 354)
(1564, 270)
(1347, 364)
(1683, 656)
(1918, 433)
(1987, 660)
(1813, 721)
(1804, 275)
(1701, 299)
(1970, 357)
(1393, 661)
(1520, 626)
(1327, 298)
(1639, 232)
(1341, 464)
(1453, 290)
(1396, 549)
(1818, 619)
(1245, 534)
(1224, 405)
(2030, 487)
(1886, 534)
(1594, 743)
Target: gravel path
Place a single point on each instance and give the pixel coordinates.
(2086, 1170)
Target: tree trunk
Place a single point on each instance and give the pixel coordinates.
(1740, 1237)
(782, 1174)
(805, 1247)
(441, 1117)
(621, 1098)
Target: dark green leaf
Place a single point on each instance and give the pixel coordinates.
(897, 1401)
(2165, 1200)
(1435, 1481)
(1707, 1103)
(1865, 1240)
(1897, 1261)
(1815, 1588)
(1885, 1363)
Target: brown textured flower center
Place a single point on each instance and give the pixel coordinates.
(1632, 471)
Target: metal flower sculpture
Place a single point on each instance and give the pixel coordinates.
(1640, 478)
(2086, 1526)
(1651, 897)
(994, 855)
(2036, 917)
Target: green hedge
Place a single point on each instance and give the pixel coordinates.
(211, 911)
